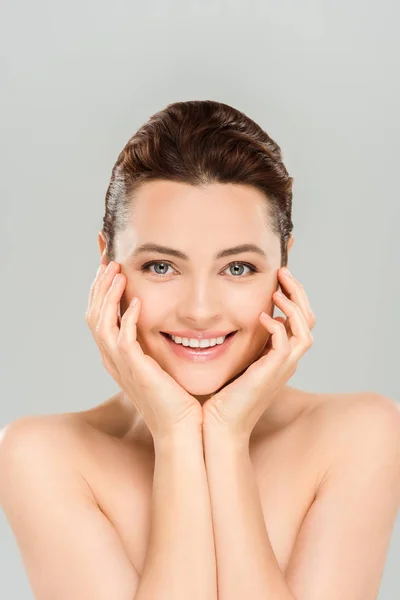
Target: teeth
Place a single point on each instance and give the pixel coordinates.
(197, 343)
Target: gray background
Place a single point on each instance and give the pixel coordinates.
(78, 78)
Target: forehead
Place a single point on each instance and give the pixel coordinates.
(187, 217)
(161, 204)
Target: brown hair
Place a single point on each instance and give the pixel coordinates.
(200, 142)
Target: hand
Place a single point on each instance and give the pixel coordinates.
(238, 406)
(162, 402)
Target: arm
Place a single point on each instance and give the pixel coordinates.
(341, 548)
(180, 562)
(68, 546)
(247, 566)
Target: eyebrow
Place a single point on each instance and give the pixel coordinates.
(152, 247)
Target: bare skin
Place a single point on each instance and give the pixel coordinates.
(104, 459)
(95, 468)
(291, 448)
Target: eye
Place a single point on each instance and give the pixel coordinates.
(146, 268)
(240, 265)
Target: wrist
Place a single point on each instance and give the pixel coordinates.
(223, 437)
(179, 437)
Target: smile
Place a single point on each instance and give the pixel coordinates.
(199, 350)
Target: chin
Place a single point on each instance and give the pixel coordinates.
(198, 386)
(204, 387)
(202, 399)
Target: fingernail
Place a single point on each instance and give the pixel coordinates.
(133, 302)
(287, 272)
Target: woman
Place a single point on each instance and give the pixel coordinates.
(206, 476)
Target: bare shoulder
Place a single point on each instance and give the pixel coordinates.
(55, 517)
(72, 436)
(59, 429)
(83, 450)
(12, 435)
(86, 447)
(70, 430)
(353, 425)
(53, 441)
(356, 411)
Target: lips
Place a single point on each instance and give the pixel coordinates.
(199, 354)
(167, 335)
(198, 335)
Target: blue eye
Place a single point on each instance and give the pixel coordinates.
(241, 265)
(146, 268)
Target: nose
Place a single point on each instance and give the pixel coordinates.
(201, 304)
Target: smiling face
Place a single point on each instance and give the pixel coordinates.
(203, 291)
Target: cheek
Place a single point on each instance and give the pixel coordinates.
(156, 310)
(154, 301)
(258, 302)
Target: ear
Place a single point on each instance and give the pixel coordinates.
(290, 242)
(103, 248)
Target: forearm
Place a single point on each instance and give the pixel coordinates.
(180, 561)
(247, 566)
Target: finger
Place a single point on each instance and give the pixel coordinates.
(284, 321)
(301, 339)
(99, 273)
(107, 329)
(293, 289)
(279, 341)
(128, 330)
(103, 284)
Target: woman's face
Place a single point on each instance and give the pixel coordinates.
(202, 292)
